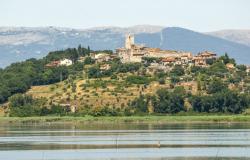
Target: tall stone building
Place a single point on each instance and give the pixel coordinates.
(131, 52)
(130, 40)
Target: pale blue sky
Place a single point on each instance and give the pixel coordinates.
(200, 15)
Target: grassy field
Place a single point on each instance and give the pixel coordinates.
(133, 119)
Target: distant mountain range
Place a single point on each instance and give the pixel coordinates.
(239, 36)
(20, 43)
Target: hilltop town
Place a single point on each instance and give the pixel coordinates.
(134, 79)
(137, 53)
(133, 53)
(159, 59)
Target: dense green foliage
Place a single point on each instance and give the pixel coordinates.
(127, 67)
(116, 67)
(216, 85)
(172, 102)
(96, 72)
(168, 102)
(25, 106)
(19, 77)
(177, 71)
(133, 79)
(218, 69)
(226, 59)
(140, 104)
(70, 53)
(224, 102)
(89, 60)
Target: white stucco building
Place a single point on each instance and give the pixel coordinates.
(66, 62)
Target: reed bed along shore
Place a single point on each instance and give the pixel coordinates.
(131, 119)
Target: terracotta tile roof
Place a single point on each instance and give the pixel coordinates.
(168, 59)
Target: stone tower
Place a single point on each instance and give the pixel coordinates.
(130, 40)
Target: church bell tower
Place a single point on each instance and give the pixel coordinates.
(130, 40)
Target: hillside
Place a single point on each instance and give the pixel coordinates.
(98, 93)
(104, 87)
(17, 44)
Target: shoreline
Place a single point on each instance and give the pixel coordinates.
(132, 119)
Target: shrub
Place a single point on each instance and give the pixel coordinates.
(137, 80)
(25, 106)
(161, 81)
(89, 60)
(140, 104)
(216, 85)
(59, 110)
(177, 71)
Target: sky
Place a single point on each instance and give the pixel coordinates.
(199, 15)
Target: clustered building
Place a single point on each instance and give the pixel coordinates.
(135, 53)
(63, 62)
(132, 52)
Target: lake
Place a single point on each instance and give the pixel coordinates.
(57, 141)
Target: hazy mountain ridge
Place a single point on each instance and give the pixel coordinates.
(181, 39)
(20, 43)
(12, 35)
(239, 36)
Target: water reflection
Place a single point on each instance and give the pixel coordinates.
(124, 141)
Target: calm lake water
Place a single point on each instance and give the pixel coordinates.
(124, 141)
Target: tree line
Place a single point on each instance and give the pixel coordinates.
(19, 77)
(178, 100)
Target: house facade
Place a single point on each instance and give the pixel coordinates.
(102, 57)
(202, 58)
(66, 62)
(53, 64)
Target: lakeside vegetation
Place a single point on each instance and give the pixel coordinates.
(122, 90)
(203, 118)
